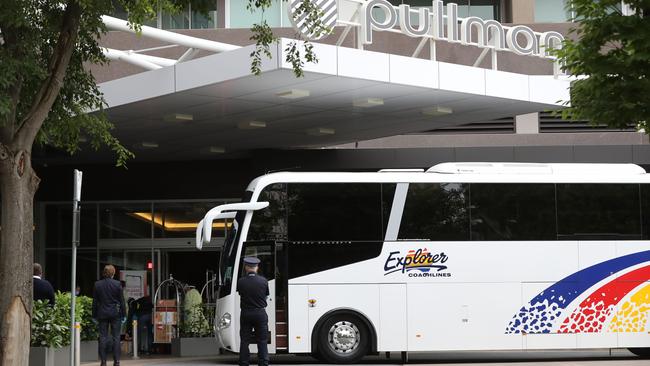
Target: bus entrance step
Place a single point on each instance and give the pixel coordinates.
(281, 328)
(281, 340)
(280, 316)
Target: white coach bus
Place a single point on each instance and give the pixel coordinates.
(463, 256)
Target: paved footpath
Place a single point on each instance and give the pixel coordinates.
(573, 358)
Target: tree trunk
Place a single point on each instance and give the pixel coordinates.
(18, 184)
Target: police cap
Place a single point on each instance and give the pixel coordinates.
(251, 261)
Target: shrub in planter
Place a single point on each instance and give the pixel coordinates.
(51, 324)
(51, 330)
(48, 330)
(194, 323)
(89, 331)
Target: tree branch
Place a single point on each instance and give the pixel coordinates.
(14, 49)
(8, 129)
(49, 90)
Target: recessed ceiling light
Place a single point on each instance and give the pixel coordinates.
(321, 131)
(368, 102)
(178, 117)
(147, 145)
(293, 94)
(251, 125)
(216, 150)
(437, 111)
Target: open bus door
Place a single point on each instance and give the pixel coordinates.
(272, 263)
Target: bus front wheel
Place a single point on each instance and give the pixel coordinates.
(343, 338)
(641, 352)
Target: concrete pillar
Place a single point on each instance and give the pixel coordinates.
(521, 11)
(221, 13)
(527, 123)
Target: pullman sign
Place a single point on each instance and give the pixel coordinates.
(438, 22)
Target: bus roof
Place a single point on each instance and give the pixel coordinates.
(472, 173)
(534, 168)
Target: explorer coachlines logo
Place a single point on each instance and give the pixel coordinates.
(417, 263)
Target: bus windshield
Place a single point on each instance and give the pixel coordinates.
(229, 251)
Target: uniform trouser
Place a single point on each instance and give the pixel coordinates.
(255, 319)
(104, 339)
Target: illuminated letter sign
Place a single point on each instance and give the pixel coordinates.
(371, 21)
(434, 23)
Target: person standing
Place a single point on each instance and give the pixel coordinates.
(43, 289)
(109, 311)
(253, 290)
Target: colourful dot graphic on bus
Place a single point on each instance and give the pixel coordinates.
(633, 314)
(592, 313)
(544, 313)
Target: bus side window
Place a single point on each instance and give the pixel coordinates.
(598, 211)
(436, 211)
(334, 212)
(507, 211)
(271, 222)
(264, 251)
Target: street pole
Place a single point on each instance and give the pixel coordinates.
(76, 197)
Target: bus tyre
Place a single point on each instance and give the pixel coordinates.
(343, 338)
(641, 352)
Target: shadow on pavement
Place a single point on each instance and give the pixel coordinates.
(499, 357)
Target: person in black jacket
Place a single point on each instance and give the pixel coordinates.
(109, 310)
(254, 323)
(43, 290)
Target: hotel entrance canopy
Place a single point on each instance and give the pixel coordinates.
(213, 104)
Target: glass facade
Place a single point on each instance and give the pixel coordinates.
(153, 237)
(552, 11)
(241, 17)
(485, 9)
(187, 19)
(176, 21)
(238, 16)
(559, 11)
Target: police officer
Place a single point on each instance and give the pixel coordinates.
(253, 290)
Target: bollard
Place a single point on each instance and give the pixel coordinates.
(135, 338)
(77, 343)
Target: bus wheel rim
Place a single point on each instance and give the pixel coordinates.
(343, 337)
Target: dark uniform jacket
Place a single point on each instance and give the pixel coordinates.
(253, 290)
(43, 290)
(108, 302)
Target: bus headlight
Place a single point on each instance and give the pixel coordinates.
(224, 322)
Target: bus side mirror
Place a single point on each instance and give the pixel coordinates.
(204, 228)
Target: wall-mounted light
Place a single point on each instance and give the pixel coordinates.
(321, 131)
(437, 111)
(178, 117)
(368, 102)
(146, 145)
(216, 150)
(251, 125)
(293, 94)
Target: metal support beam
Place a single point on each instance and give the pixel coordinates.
(344, 35)
(419, 48)
(133, 59)
(170, 37)
(433, 50)
(188, 55)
